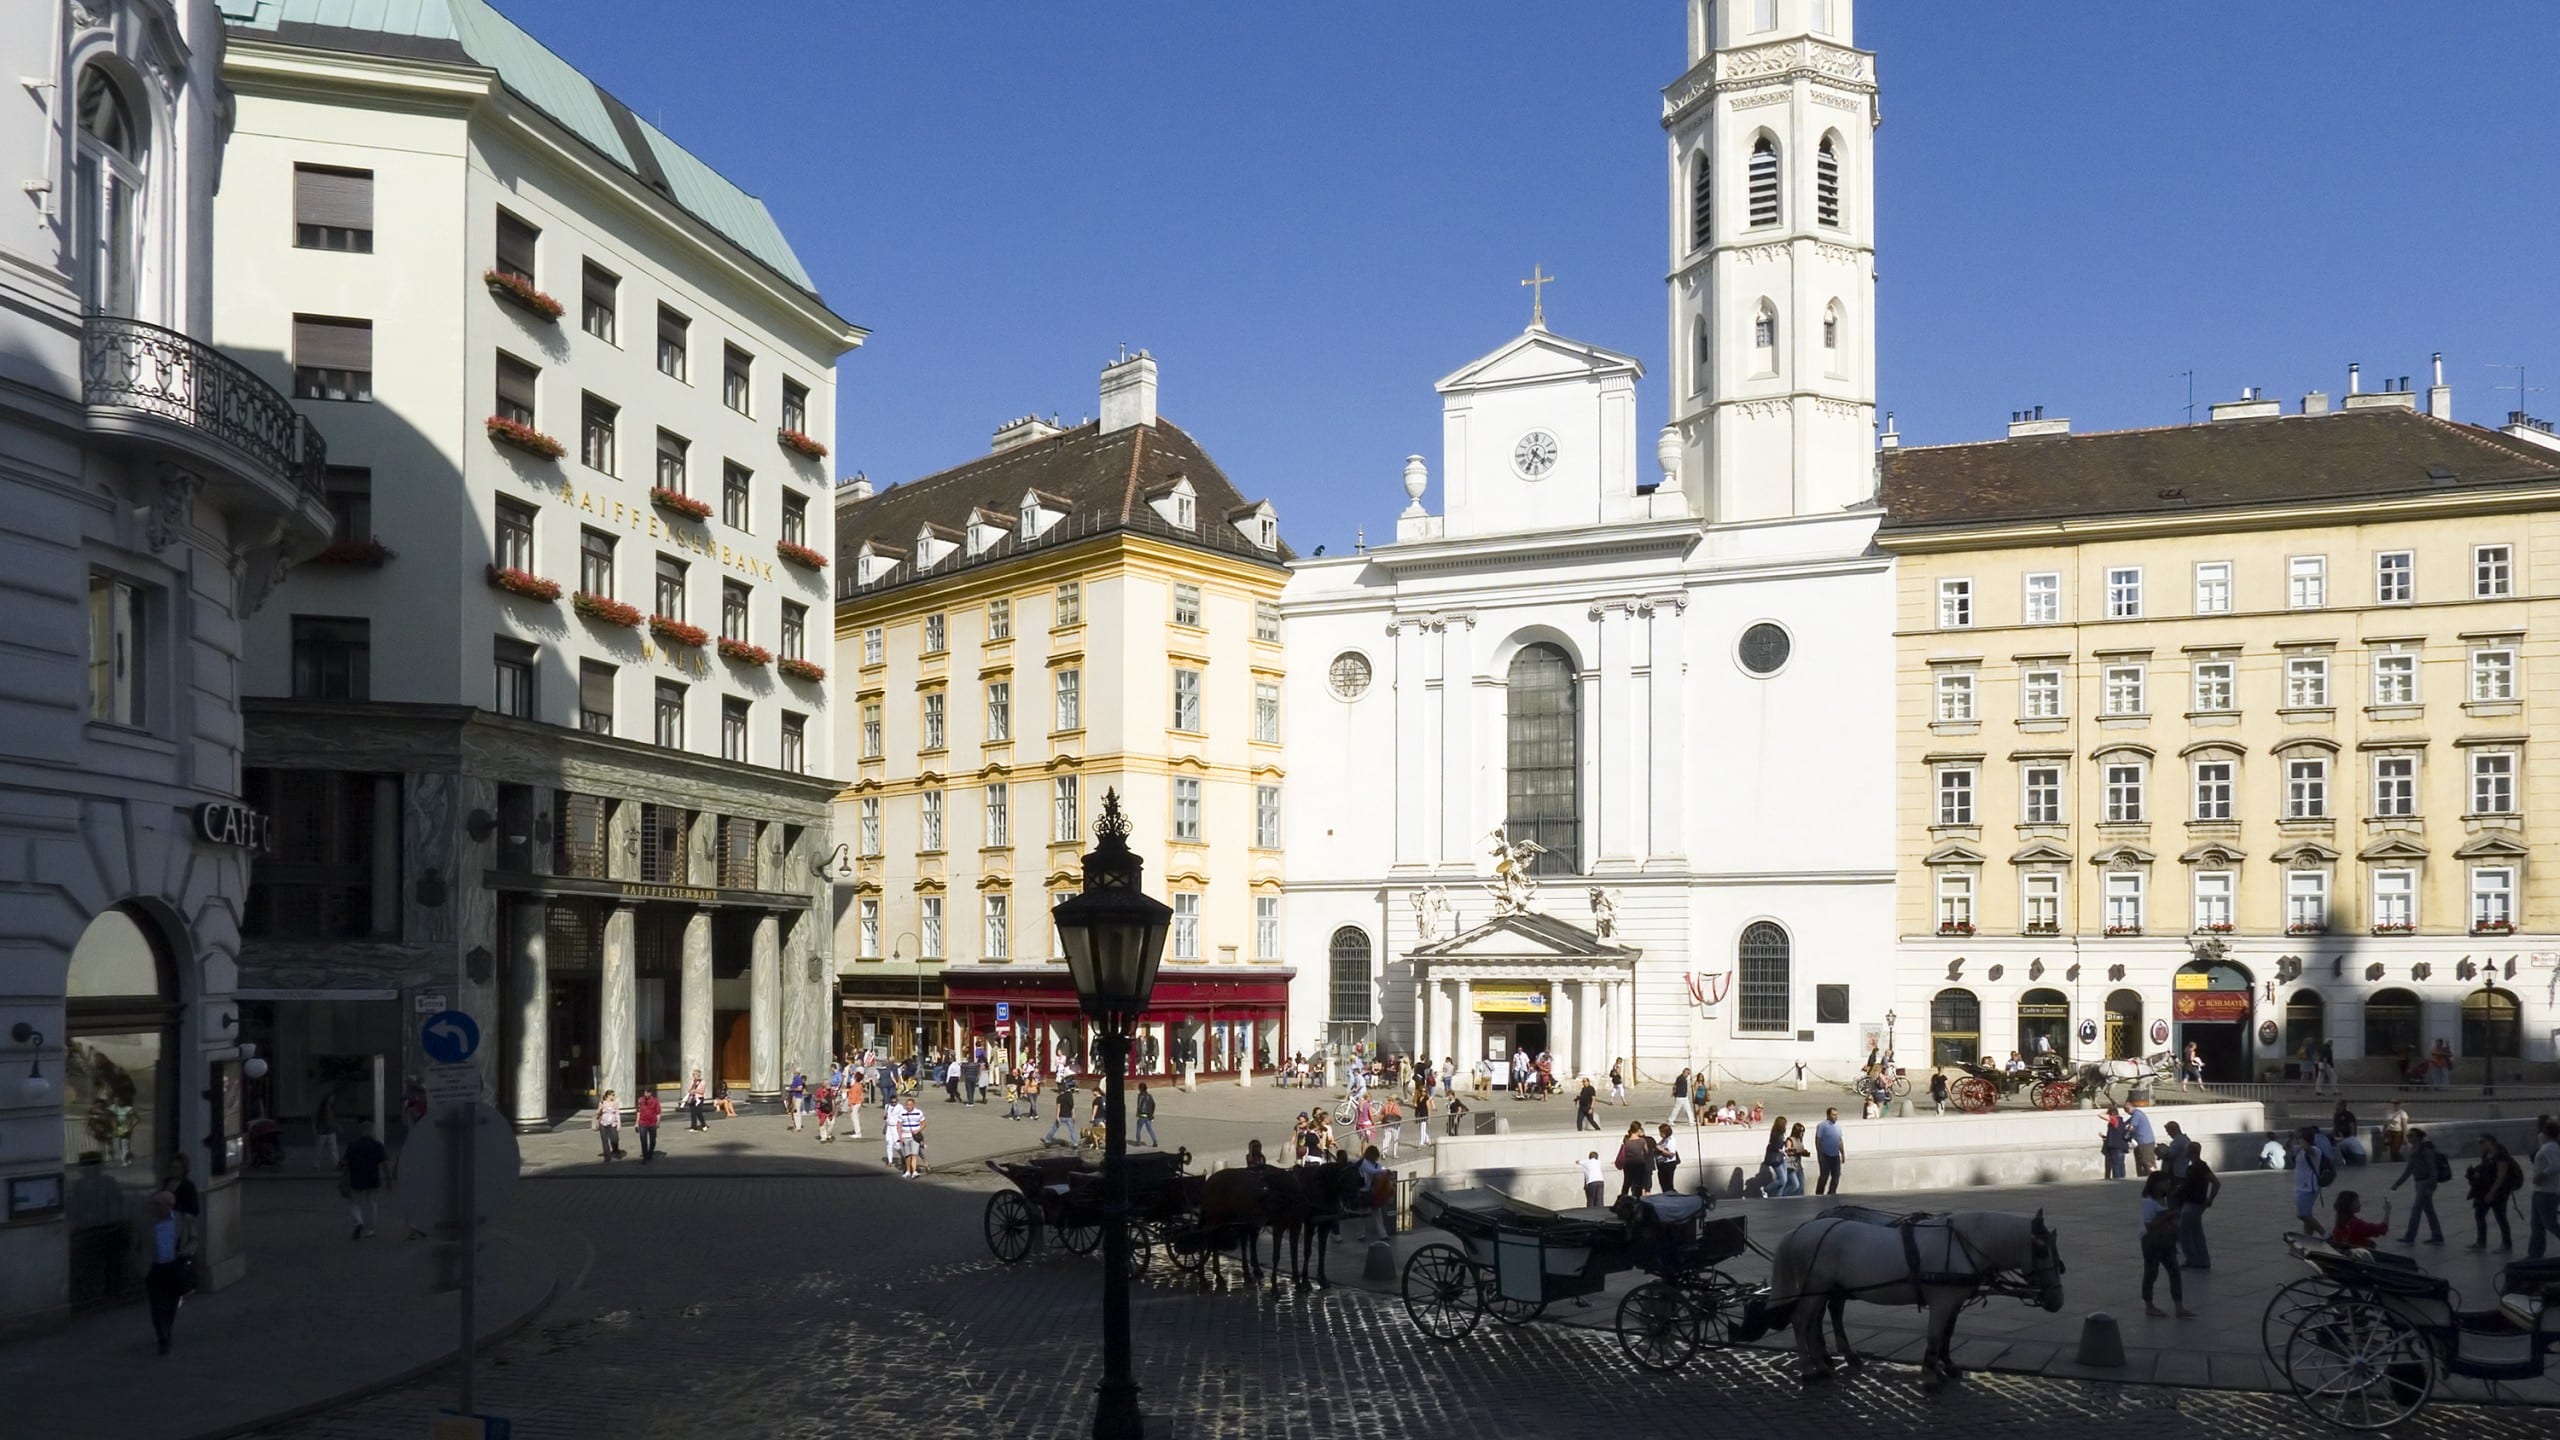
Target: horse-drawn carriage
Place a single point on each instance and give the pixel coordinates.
(2366, 1338)
(2048, 1083)
(1063, 1196)
(1512, 1259)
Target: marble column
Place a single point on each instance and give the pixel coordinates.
(617, 995)
(1560, 1008)
(1434, 1010)
(803, 1045)
(693, 1000)
(528, 995)
(1459, 1048)
(1667, 693)
(764, 1012)
(1413, 747)
(1616, 732)
(1586, 1026)
(1458, 827)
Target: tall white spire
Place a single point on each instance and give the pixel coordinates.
(1772, 230)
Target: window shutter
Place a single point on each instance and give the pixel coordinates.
(333, 344)
(516, 241)
(595, 688)
(341, 199)
(516, 382)
(600, 286)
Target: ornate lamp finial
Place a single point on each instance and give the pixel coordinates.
(1113, 828)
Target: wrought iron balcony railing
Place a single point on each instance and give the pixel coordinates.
(131, 365)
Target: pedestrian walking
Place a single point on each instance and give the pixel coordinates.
(324, 1133)
(2311, 1170)
(1681, 1109)
(1830, 1151)
(2146, 1141)
(795, 1095)
(2493, 1178)
(2324, 1069)
(2113, 1140)
(852, 1104)
(360, 1178)
(2191, 1072)
(2546, 1188)
(1635, 1162)
(911, 1140)
(1666, 1161)
(1595, 1179)
(1147, 1118)
(168, 1279)
(2395, 1131)
(889, 1116)
(1582, 1103)
(826, 1099)
(1938, 1092)
(647, 1123)
(2426, 1168)
(608, 1126)
(696, 1097)
(1379, 1186)
(2160, 1248)
(1796, 1153)
(1422, 1119)
(1772, 1179)
(2196, 1188)
(1066, 1120)
(1390, 1127)
(1618, 1082)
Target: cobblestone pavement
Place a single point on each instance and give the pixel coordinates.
(828, 1306)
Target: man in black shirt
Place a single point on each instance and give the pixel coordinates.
(360, 1178)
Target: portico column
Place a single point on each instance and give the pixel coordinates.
(1622, 1017)
(1560, 1008)
(529, 994)
(616, 1043)
(1586, 1024)
(1435, 1020)
(1462, 1034)
(1667, 687)
(693, 999)
(1616, 732)
(764, 1012)
(803, 1045)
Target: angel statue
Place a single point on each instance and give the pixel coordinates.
(1431, 913)
(1604, 913)
(1513, 885)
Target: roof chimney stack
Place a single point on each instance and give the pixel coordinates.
(2355, 378)
(2316, 403)
(1128, 392)
(1022, 430)
(1890, 439)
(2250, 406)
(859, 487)
(2031, 421)
(2439, 394)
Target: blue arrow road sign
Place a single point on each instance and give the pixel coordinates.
(1004, 1012)
(449, 1037)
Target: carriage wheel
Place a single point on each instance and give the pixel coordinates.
(2359, 1366)
(1191, 1256)
(1011, 1227)
(1080, 1236)
(1974, 1095)
(2054, 1095)
(1656, 1326)
(1142, 1249)
(1508, 1311)
(1440, 1292)
(1716, 1306)
(2287, 1310)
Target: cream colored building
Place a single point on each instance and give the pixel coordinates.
(2237, 734)
(1078, 611)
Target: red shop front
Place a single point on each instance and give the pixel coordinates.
(1226, 1020)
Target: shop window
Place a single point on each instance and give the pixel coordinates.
(327, 874)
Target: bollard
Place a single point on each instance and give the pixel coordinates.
(1380, 1267)
(2101, 1343)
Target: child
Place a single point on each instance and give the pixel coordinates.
(2349, 1230)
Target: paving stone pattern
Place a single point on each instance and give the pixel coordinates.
(858, 1304)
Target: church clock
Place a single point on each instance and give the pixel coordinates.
(1535, 455)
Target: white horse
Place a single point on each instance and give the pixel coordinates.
(1941, 1262)
(2101, 1077)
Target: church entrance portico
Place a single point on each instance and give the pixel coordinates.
(1526, 981)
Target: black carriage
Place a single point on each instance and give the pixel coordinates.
(2364, 1341)
(1063, 1196)
(1690, 1303)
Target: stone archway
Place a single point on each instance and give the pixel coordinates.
(120, 1091)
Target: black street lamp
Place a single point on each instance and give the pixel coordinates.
(1114, 938)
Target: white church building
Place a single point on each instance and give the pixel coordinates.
(1677, 686)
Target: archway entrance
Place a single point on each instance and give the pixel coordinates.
(2044, 1023)
(2306, 1025)
(1955, 1027)
(119, 1094)
(2124, 1025)
(2211, 1006)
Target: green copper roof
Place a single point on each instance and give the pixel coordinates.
(541, 79)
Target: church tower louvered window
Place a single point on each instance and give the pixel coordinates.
(1701, 205)
(1826, 184)
(1764, 182)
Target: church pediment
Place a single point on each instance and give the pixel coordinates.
(1538, 356)
(1528, 937)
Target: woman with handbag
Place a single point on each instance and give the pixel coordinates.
(608, 1126)
(1635, 1162)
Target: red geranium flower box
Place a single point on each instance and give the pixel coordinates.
(2494, 927)
(744, 653)
(524, 583)
(806, 445)
(679, 502)
(368, 552)
(799, 669)
(606, 609)
(666, 628)
(524, 437)
(800, 555)
(519, 292)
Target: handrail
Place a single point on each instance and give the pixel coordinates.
(135, 365)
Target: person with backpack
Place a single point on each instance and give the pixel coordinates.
(825, 1100)
(2426, 1168)
(2311, 1170)
(2492, 1181)
(2113, 1142)
(2195, 1187)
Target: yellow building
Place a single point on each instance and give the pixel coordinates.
(2233, 735)
(1079, 611)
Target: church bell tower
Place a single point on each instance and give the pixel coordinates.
(1773, 373)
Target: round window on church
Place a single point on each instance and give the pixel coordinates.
(1765, 648)
(1350, 675)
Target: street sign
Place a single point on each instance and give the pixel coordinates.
(453, 1084)
(2159, 1032)
(428, 1002)
(1004, 1014)
(2088, 1032)
(425, 1179)
(449, 1037)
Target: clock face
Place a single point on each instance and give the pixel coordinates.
(1535, 455)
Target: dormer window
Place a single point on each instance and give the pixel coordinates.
(1179, 504)
(930, 547)
(1267, 533)
(1028, 528)
(1258, 523)
(1182, 512)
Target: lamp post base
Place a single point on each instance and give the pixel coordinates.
(1115, 1412)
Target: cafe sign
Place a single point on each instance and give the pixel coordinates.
(237, 826)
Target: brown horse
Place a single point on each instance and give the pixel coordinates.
(1305, 1203)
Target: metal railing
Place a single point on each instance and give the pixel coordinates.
(132, 365)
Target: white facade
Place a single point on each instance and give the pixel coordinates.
(1717, 788)
(150, 488)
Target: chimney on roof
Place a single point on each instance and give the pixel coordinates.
(2316, 403)
(2532, 430)
(2031, 421)
(1891, 439)
(2250, 406)
(2355, 378)
(1021, 430)
(2439, 394)
(859, 487)
(1128, 392)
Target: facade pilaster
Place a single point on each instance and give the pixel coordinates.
(617, 995)
(1413, 746)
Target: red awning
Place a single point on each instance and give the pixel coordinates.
(1261, 988)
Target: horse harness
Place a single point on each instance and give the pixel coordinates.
(1985, 1279)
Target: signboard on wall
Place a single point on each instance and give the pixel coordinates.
(1515, 1000)
(2211, 1005)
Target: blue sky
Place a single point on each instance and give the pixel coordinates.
(1308, 212)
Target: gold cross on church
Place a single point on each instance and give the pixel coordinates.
(1538, 282)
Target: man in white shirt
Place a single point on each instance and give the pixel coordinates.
(911, 1140)
(2546, 1188)
(1595, 1180)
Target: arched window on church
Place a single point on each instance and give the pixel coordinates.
(1701, 203)
(1764, 182)
(1826, 183)
(1699, 358)
(1764, 982)
(1544, 803)
(1351, 1013)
